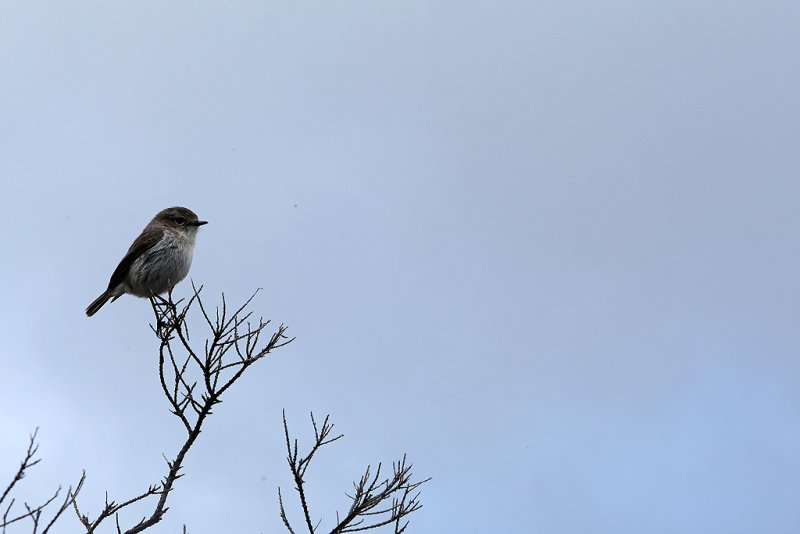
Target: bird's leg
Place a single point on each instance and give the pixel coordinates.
(162, 307)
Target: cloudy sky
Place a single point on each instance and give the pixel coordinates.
(548, 249)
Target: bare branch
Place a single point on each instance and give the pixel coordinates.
(283, 513)
(26, 463)
(375, 502)
(33, 512)
(193, 383)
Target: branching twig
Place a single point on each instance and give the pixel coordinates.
(375, 502)
(33, 512)
(193, 384)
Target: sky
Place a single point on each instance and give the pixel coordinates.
(547, 249)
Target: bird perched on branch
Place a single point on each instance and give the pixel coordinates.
(157, 260)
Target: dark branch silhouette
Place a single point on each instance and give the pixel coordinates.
(375, 501)
(33, 512)
(193, 382)
(193, 378)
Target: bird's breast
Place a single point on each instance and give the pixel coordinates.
(161, 266)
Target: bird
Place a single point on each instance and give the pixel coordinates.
(157, 260)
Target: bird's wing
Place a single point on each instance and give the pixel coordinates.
(145, 241)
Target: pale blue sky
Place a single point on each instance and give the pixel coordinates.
(548, 249)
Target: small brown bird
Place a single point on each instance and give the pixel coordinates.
(157, 260)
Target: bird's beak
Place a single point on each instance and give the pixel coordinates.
(200, 223)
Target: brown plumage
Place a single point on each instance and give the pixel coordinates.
(157, 260)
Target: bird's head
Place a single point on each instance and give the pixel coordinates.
(179, 219)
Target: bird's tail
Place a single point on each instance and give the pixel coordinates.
(98, 303)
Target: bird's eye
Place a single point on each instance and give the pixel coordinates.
(180, 220)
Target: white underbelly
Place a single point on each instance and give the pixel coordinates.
(160, 268)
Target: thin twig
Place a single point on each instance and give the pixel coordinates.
(375, 502)
(216, 369)
(33, 512)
